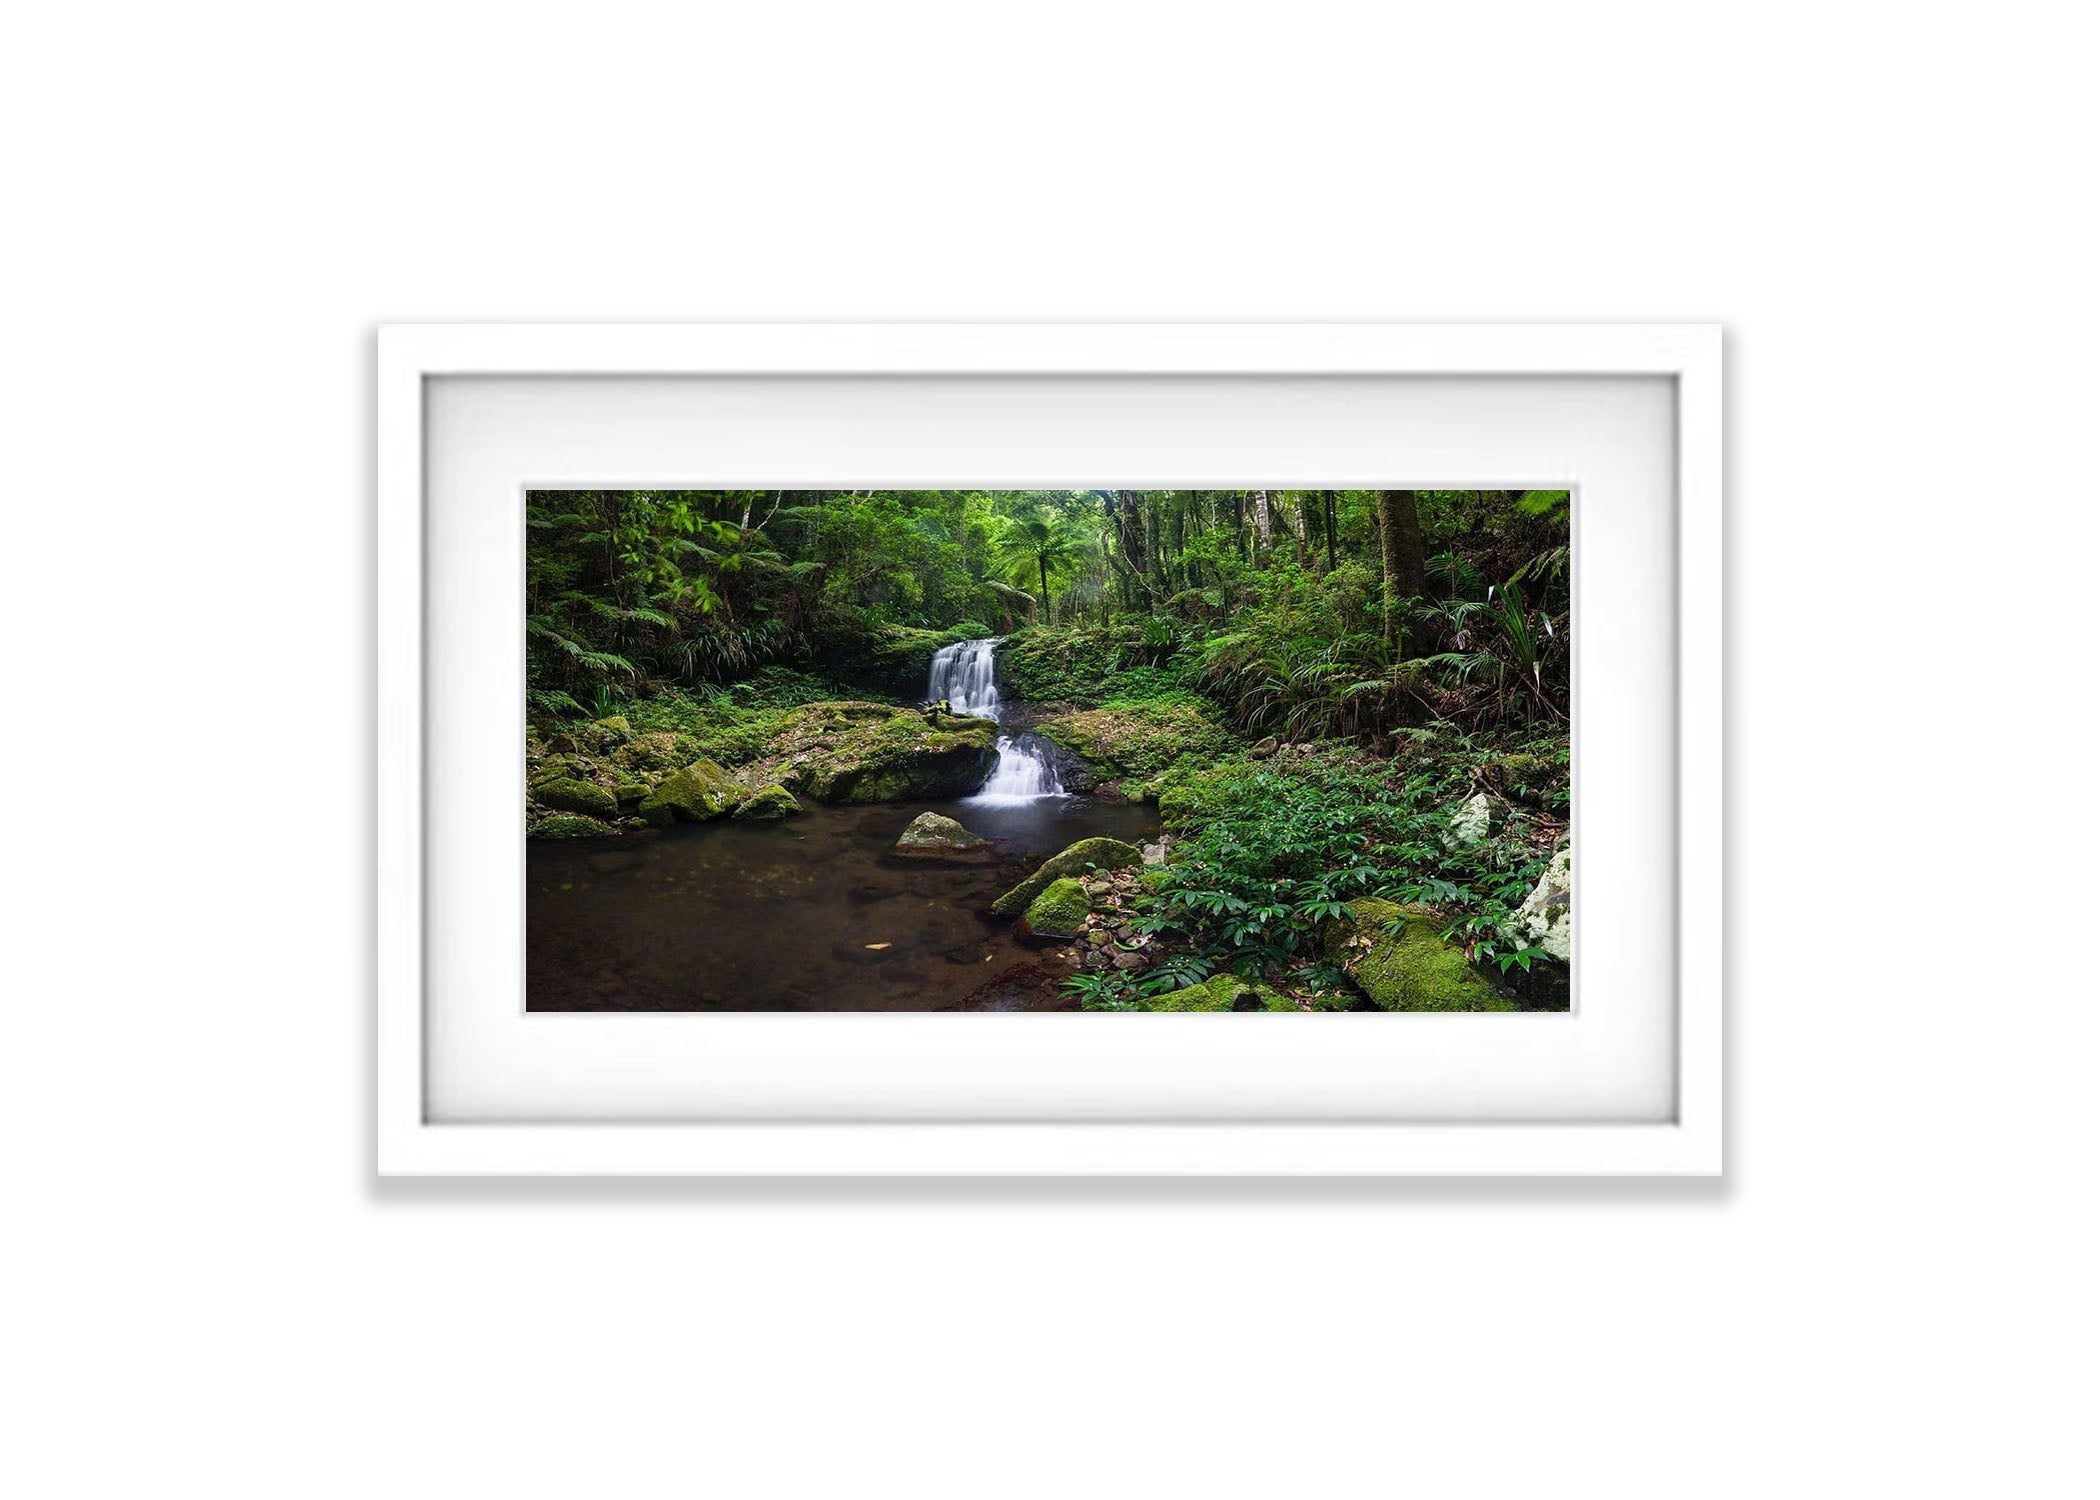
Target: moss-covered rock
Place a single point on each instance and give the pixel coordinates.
(701, 791)
(1103, 854)
(1140, 739)
(1059, 912)
(873, 752)
(628, 793)
(931, 835)
(564, 826)
(1413, 969)
(768, 802)
(1222, 992)
(567, 795)
(1522, 777)
(659, 750)
(568, 766)
(595, 738)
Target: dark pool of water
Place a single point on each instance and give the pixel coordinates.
(779, 916)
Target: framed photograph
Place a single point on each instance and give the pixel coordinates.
(1039, 749)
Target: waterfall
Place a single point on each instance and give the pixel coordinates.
(964, 675)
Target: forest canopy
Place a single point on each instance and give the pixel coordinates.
(1306, 611)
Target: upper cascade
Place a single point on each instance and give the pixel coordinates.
(963, 674)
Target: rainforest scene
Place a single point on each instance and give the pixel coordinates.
(1096, 750)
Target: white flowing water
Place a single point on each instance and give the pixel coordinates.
(963, 674)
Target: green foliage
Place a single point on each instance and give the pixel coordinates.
(1110, 990)
(1037, 547)
(1270, 855)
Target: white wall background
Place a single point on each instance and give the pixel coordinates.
(209, 207)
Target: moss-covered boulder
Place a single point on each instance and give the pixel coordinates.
(766, 803)
(1222, 992)
(1059, 912)
(565, 794)
(931, 836)
(874, 752)
(595, 738)
(1412, 968)
(658, 750)
(1073, 860)
(1141, 739)
(628, 793)
(1521, 776)
(701, 791)
(565, 826)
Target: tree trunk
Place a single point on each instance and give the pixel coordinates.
(1400, 549)
(1327, 510)
(1261, 528)
(1042, 574)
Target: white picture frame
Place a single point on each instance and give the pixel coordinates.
(1686, 1140)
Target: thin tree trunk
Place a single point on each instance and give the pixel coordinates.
(1261, 528)
(1327, 510)
(1400, 549)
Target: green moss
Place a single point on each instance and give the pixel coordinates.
(631, 792)
(1413, 970)
(1059, 912)
(658, 750)
(568, 795)
(564, 826)
(872, 752)
(1222, 992)
(769, 802)
(1141, 738)
(1105, 854)
(701, 791)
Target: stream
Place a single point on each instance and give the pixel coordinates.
(815, 913)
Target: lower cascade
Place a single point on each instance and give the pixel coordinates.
(964, 675)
